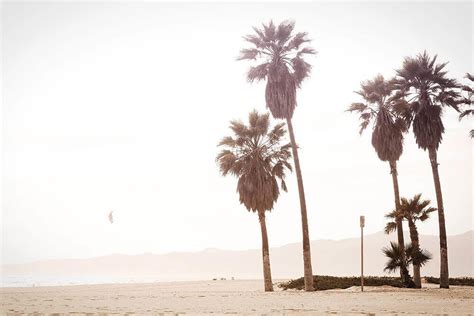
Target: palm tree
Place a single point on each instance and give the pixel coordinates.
(426, 87)
(397, 258)
(279, 54)
(380, 109)
(468, 101)
(412, 210)
(257, 158)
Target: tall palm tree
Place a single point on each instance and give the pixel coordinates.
(468, 101)
(380, 109)
(397, 258)
(257, 157)
(424, 84)
(412, 210)
(279, 57)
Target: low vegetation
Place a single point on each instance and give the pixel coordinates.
(325, 282)
(452, 281)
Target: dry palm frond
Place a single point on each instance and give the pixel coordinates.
(257, 156)
(387, 136)
(428, 127)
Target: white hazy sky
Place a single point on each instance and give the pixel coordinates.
(120, 106)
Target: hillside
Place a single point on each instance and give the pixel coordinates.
(330, 257)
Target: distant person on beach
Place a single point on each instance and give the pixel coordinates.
(111, 217)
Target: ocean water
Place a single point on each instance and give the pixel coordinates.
(45, 280)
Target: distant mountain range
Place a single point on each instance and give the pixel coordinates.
(330, 257)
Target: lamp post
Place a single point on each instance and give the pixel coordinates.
(362, 223)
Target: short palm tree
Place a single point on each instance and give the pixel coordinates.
(279, 57)
(424, 84)
(468, 102)
(412, 210)
(257, 157)
(397, 258)
(380, 109)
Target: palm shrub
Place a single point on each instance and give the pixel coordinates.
(413, 210)
(398, 259)
(257, 156)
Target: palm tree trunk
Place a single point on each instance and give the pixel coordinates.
(401, 242)
(443, 242)
(267, 274)
(416, 247)
(308, 271)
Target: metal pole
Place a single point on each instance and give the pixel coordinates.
(362, 222)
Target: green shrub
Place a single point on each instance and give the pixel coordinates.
(453, 281)
(325, 282)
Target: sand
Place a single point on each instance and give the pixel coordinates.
(230, 297)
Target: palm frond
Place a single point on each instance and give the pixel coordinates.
(257, 41)
(419, 256)
(227, 141)
(297, 41)
(425, 214)
(269, 31)
(359, 107)
(258, 73)
(394, 255)
(301, 69)
(390, 227)
(306, 51)
(284, 30)
(248, 53)
(466, 113)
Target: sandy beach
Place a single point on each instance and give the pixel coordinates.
(230, 297)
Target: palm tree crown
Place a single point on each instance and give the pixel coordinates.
(279, 55)
(256, 156)
(413, 209)
(424, 84)
(382, 109)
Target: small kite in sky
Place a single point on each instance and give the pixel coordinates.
(111, 217)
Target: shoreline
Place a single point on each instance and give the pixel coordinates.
(275, 283)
